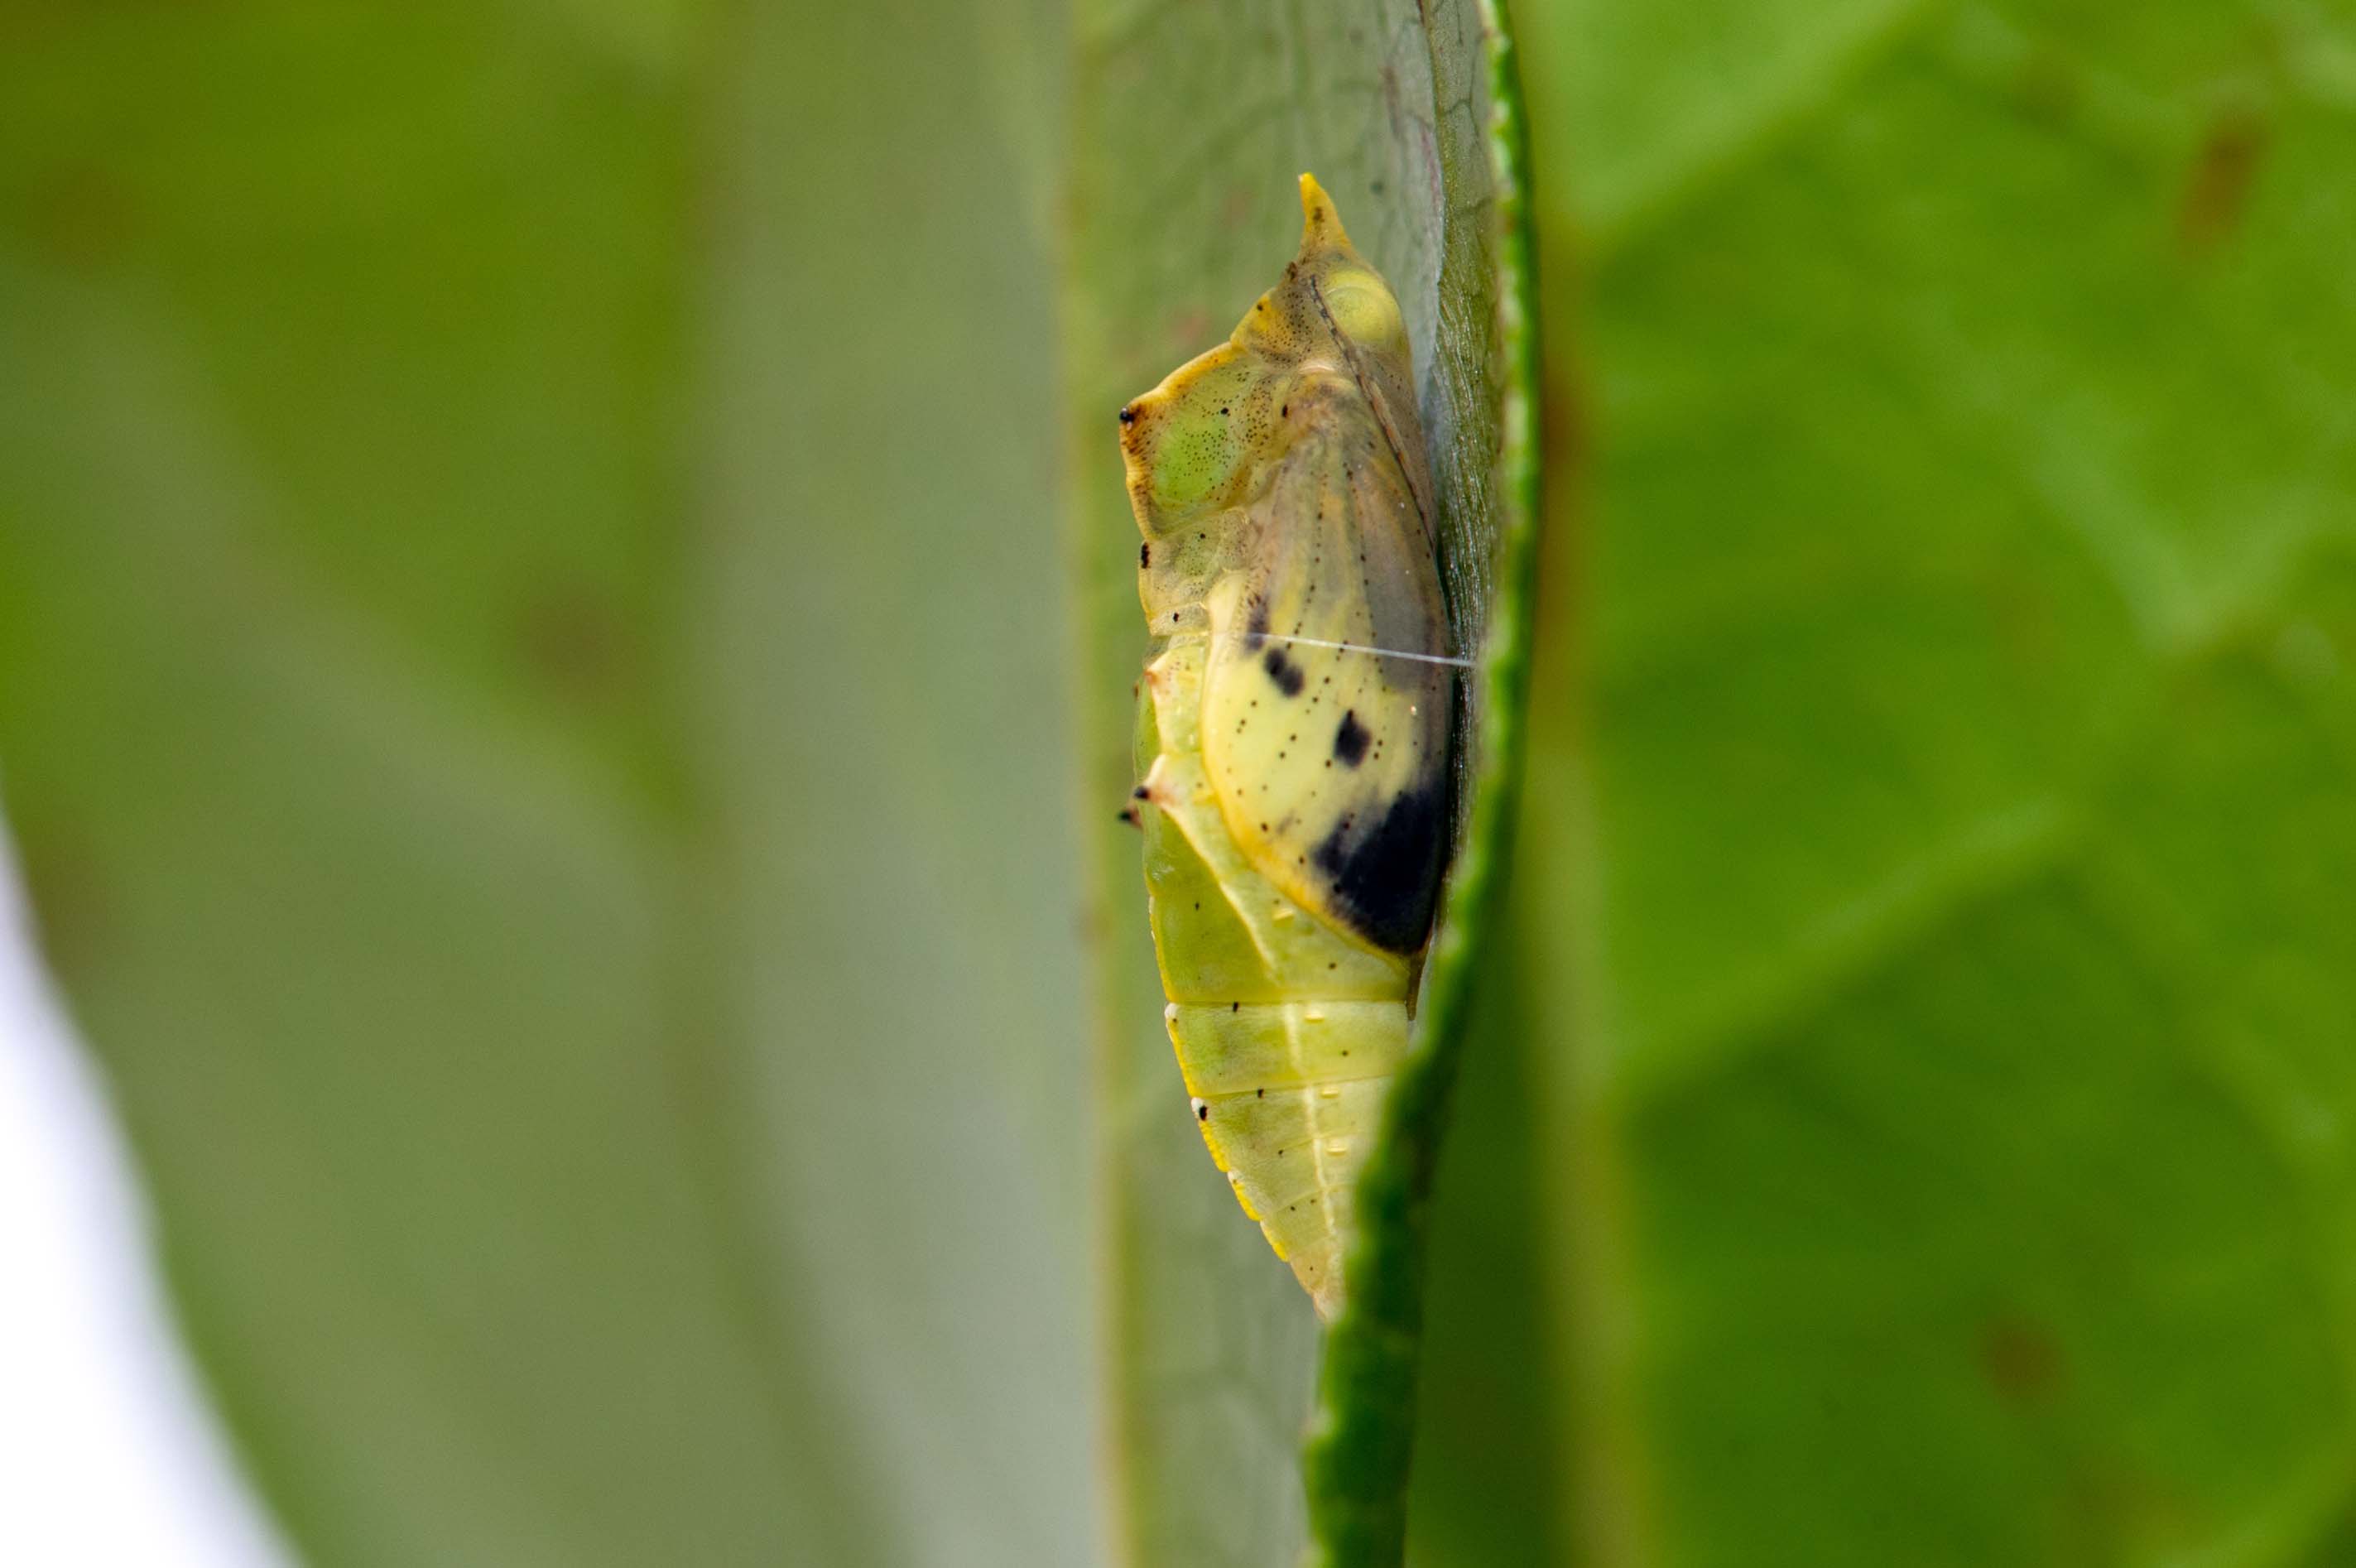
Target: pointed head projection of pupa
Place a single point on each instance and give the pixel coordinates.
(1194, 443)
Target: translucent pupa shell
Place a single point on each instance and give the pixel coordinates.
(1293, 731)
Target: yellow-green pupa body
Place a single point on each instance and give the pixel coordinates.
(1293, 731)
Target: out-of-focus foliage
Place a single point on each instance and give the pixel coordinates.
(533, 697)
(1945, 792)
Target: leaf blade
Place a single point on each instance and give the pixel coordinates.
(388, 557)
(1953, 532)
(1394, 122)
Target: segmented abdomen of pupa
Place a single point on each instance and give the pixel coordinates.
(1288, 1032)
(1293, 733)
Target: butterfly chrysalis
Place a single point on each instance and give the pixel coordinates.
(1293, 731)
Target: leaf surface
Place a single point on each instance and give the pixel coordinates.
(1943, 771)
(1192, 122)
(589, 979)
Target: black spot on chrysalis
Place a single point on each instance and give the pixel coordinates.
(1386, 879)
(1350, 741)
(1256, 626)
(1288, 676)
(1144, 557)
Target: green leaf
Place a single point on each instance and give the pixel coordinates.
(1940, 824)
(586, 966)
(1191, 123)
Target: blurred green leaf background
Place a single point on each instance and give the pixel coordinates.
(537, 705)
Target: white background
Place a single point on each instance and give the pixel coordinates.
(108, 1452)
